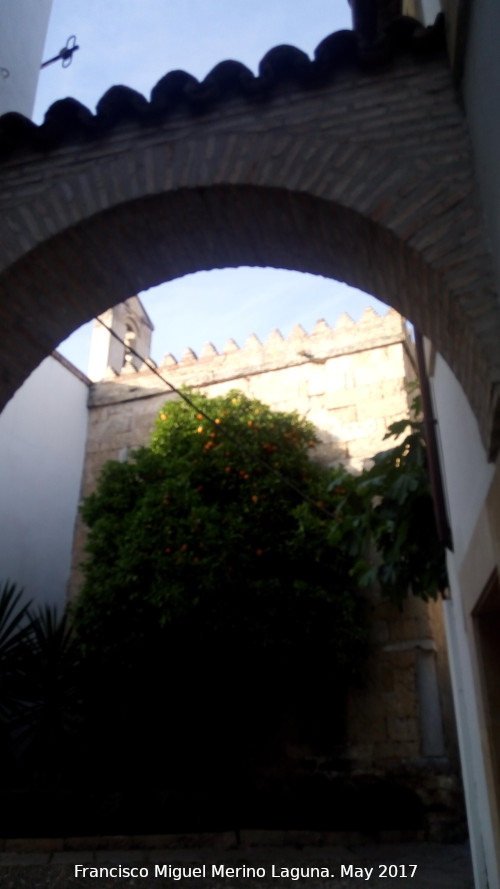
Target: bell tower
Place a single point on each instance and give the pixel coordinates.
(108, 356)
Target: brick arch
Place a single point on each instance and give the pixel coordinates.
(365, 177)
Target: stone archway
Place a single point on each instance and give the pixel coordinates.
(341, 167)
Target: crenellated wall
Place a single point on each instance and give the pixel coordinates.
(350, 381)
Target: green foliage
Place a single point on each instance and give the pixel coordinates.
(50, 708)
(194, 538)
(388, 520)
(226, 531)
(14, 638)
(39, 684)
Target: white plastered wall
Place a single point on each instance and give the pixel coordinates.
(23, 28)
(481, 87)
(43, 431)
(468, 478)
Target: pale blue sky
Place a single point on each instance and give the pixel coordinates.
(135, 42)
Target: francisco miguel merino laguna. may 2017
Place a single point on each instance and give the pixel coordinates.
(175, 872)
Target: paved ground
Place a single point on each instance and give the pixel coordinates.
(340, 867)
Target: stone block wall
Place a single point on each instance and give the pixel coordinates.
(351, 383)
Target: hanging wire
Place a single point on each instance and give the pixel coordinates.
(220, 427)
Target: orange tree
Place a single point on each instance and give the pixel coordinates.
(224, 526)
(223, 578)
(220, 528)
(210, 576)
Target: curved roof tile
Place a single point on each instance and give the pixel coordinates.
(227, 80)
(336, 51)
(67, 120)
(286, 64)
(172, 91)
(121, 103)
